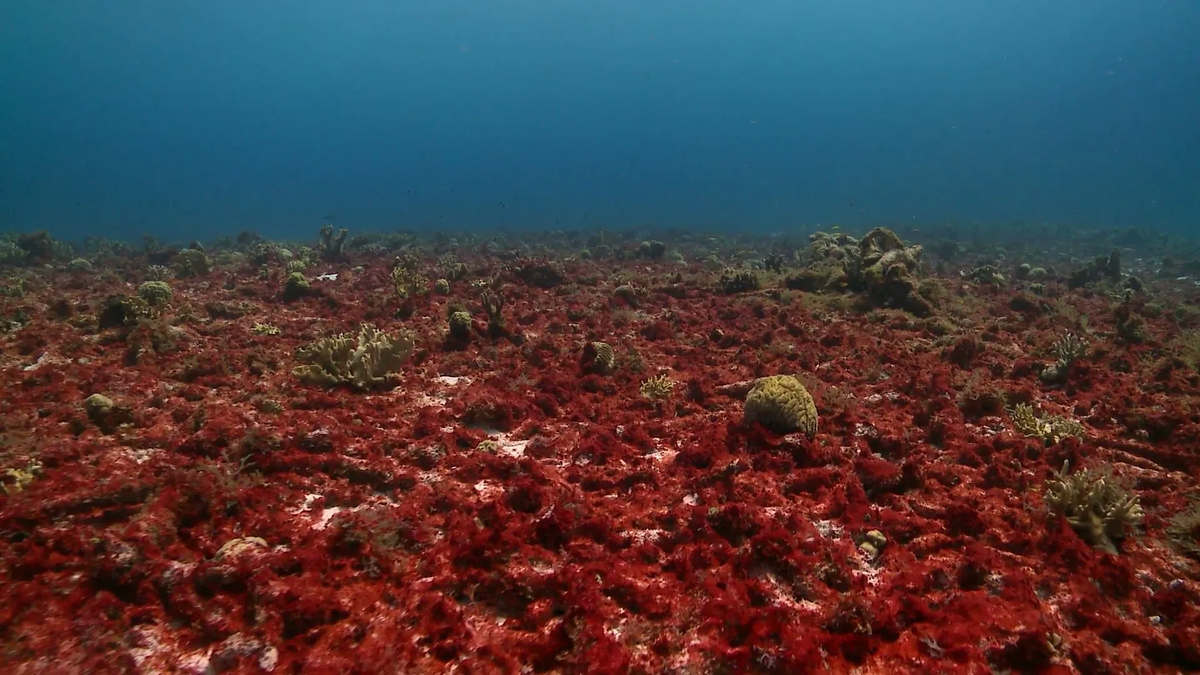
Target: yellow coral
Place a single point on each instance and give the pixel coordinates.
(657, 388)
(21, 478)
(260, 328)
(1052, 429)
(782, 404)
(407, 280)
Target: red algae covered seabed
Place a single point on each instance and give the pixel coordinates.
(234, 519)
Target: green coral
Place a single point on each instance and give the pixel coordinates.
(368, 361)
(781, 404)
(880, 265)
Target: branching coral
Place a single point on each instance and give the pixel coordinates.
(368, 361)
(332, 247)
(1095, 504)
(407, 280)
(1051, 428)
(1069, 348)
(493, 304)
(657, 388)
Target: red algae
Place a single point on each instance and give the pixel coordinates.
(510, 508)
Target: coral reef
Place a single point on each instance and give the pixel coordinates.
(593, 463)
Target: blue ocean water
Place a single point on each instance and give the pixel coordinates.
(195, 118)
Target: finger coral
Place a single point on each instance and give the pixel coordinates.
(1069, 348)
(781, 404)
(657, 388)
(1095, 505)
(368, 361)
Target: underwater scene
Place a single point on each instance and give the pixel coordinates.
(695, 338)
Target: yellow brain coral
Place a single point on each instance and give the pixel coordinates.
(782, 404)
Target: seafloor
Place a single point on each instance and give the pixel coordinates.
(563, 479)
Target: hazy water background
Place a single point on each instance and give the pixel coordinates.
(191, 118)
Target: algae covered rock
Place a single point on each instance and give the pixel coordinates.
(191, 263)
(781, 404)
(737, 281)
(880, 266)
(296, 286)
(107, 414)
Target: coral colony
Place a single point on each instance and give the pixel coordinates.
(598, 452)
